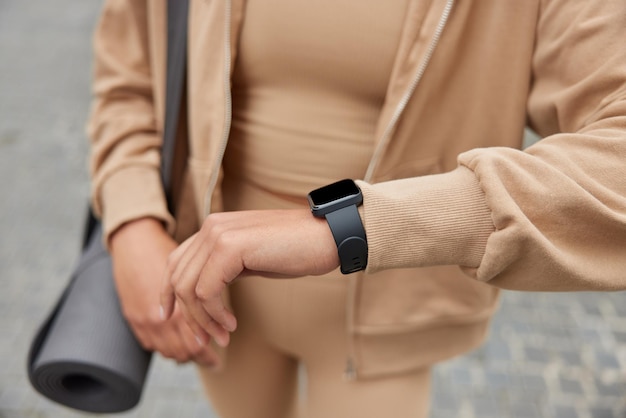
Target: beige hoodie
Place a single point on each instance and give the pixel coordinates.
(450, 201)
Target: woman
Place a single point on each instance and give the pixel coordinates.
(425, 103)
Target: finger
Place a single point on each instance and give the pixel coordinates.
(144, 338)
(167, 297)
(207, 357)
(198, 294)
(169, 343)
(200, 335)
(220, 270)
(214, 310)
(202, 325)
(201, 352)
(186, 279)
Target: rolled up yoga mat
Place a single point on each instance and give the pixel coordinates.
(85, 355)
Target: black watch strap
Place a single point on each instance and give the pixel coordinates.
(347, 229)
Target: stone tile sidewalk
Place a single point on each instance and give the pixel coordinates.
(548, 355)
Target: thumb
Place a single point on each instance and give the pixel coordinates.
(168, 297)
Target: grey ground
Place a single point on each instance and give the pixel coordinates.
(548, 355)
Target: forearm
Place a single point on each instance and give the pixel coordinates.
(122, 127)
(134, 234)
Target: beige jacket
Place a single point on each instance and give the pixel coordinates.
(471, 208)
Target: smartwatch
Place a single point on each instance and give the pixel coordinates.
(338, 203)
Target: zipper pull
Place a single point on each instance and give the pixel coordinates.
(350, 372)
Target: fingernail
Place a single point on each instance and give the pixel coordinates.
(221, 341)
(210, 365)
(231, 325)
(162, 312)
(199, 341)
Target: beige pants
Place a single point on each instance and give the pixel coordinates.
(285, 323)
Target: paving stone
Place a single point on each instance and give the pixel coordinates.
(599, 412)
(13, 398)
(564, 412)
(570, 358)
(537, 355)
(446, 399)
(571, 386)
(607, 360)
(616, 389)
(498, 351)
(534, 383)
(497, 379)
(620, 336)
(523, 410)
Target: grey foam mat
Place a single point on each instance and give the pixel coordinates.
(85, 355)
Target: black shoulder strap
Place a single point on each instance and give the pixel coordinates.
(177, 19)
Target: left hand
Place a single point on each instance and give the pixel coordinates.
(271, 243)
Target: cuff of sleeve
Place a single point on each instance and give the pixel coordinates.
(440, 219)
(129, 194)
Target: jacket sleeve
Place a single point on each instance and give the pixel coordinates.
(125, 138)
(552, 217)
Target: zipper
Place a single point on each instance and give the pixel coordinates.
(350, 372)
(228, 107)
(382, 144)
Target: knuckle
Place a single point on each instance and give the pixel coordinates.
(166, 353)
(195, 351)
(145, 343)
(182, 358)
(154, 318)
(146, 320)
(215, 226)
(211, 224)
(224, 241)
(177, 317)
(182, 292)
(202, 294)
(205, 293)
(137, 321)
(215, 218)
(130, 316)
(208, 222)
(170, 263)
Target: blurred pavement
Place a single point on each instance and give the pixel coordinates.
(549, 355)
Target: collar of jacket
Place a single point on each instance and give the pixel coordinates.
(210, 116)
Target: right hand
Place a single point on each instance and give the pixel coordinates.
(139, 250)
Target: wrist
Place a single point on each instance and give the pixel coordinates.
(134, 232)
(338, 203)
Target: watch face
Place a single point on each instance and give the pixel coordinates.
(333, 192)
